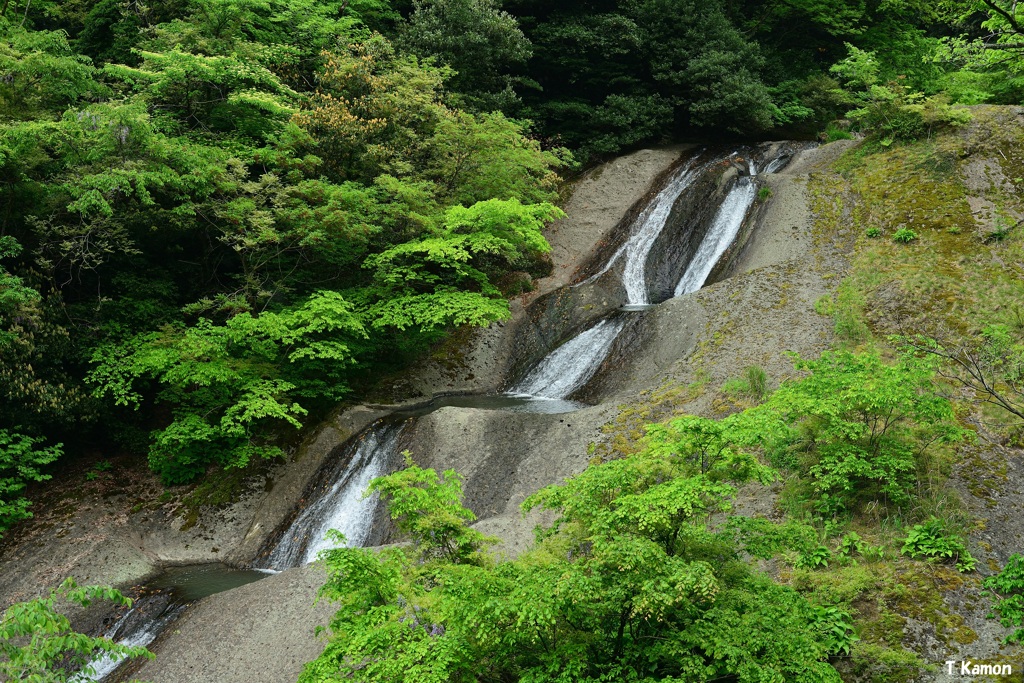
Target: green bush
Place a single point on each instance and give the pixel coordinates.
(873, 232)
(38, 644)
(20, 463)
(837, 427)
(904, 236)
(833, 133)
(847, 310)
(753, 383)
(931, 541)
(1008, 587)
(815, 558)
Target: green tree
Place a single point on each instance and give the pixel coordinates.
(857, 428)
(631, 583)
(38, 644)
(478, 40)
(230, 385)
(20, 463)
(42, 73)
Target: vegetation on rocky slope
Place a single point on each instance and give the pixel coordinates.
(220, 218)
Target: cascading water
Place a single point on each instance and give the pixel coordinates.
(723, 231)
(160, 603)
(131, 631)
(569, 367)
(651, 223)
(643, 232)
(572, 364)
(342, 506)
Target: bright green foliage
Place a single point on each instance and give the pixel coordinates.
(990, 363)
(219, 93)
(1008, 587)
(430, 282)
(890, 109)
(20, 463)
(904, 236)
(232, 383)
(818, 557)
(41, 72)
(37, 642)
(428, 509)
(856, 427)
(930, 540)
(630, 584)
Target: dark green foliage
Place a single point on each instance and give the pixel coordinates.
(477, 39)
(620, 73)
(1008, 587)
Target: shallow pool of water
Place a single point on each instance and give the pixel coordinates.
(197, 581)
(507, 402)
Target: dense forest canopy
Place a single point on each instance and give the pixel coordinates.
(220, 217)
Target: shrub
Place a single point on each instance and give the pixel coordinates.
(847, 310)
(1008, 587)
(753, 383)
(857, 426)
(765, 193)
(904, 236)
(833, 133)
(21, 462)
(931, 541)
(812, 559)
(38, 644)
(873, 232)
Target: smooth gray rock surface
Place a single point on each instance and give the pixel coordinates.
(263, 632)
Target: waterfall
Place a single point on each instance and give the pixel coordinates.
(651, 223)
(723, 231)
(134, 629)
(342, 506)
(572, 364)
(644, 231)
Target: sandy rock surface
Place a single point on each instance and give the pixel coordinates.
(263, 632)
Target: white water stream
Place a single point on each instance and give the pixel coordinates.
(343, 507)
(650, 224)
(140, 634)
(571, 365)
(723, 231)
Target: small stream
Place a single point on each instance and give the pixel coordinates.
(162, 601)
